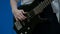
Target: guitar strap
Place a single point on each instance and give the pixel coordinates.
(30, 6)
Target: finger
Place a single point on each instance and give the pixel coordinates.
(20, 18)
(23, 12)
(23, 17)
(20, 14)
(16, 19)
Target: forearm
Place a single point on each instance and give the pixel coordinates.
(13, 4)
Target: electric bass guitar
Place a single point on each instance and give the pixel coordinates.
(26, 26)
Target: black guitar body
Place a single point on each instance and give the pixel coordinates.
(32, 23)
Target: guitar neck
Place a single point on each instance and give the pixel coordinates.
(39, 8)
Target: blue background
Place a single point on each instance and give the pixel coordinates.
(6, 18)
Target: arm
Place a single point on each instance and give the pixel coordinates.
(18, 14)
(13, 4)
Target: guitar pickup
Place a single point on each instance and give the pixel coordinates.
(18, 25)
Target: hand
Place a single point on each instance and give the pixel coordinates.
(18, 14)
